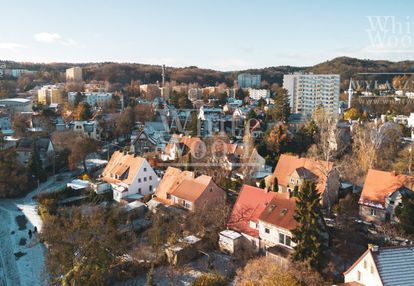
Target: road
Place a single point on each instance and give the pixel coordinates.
(29, 268)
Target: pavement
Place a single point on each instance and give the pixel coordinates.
(22, 265)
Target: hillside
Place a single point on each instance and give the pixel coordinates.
(123, 73)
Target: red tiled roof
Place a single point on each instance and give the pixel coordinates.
(248, 207)
(379, 185)
(279, 212)
(287, 164)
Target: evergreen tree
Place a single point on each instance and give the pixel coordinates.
(150, 276)
(275, 185)
(35, 165)
(262, 184)
(308, 234)
(193, 124)
(405, 214)
(282, 106)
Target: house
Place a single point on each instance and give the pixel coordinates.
(90, 129)
(263, 219)
(180, 145)
(131, 176)
(45, 150)
(381, 194)
(291, 171)
(146, 140)
(382, 266)
(182, 189)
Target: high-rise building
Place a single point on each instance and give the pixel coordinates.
(309, 91)
(74, 74)
(246, 80)
(49, 94)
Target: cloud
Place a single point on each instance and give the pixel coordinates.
(52, 38)
(11, 46)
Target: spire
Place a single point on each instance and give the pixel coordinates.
(350, 93)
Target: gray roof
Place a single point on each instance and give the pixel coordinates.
(395, 265)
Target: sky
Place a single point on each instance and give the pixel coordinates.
(218, 34)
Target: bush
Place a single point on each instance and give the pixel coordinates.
(210, 279)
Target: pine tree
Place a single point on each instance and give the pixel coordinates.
(262, 184)
(34, 165)
(275, 185)
(282, 106)
(150, 276)
(308, 234)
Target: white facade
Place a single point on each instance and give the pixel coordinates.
(74, 74)
(257, 94)
(92, 98)
(144, 183)
(309, 91)
(272, 235)
(364, 272)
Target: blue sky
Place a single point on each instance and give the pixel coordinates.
(223, 35)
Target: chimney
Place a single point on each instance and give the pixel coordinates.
(373, 247)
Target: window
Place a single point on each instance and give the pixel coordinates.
(150, 188)
(150, 178)
(288, 240)
(139, 180)
(168, 196)
(139, 190)
(292, 180)
(281, 238)
(267, 230)
(359, 276)
(145, 169)
(365, 264)
(145, 179)
(372, 269)
(373, 212)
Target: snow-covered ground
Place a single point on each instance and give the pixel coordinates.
(27, 268)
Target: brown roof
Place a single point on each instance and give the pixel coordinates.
(170, 181)
(380, 184)
(287, 164)
(279, 212)
(119, 164)
(192, 189)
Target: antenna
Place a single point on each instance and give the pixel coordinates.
(163, 75)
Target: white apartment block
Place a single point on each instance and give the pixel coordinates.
(309, 91)
(92, 98)
(74, 74)
(257, 94)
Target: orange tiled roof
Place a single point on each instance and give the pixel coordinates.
(380, 184)
(287, 164)
(118, 165)
(170, 181)
(192, 189)
(190, 142)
